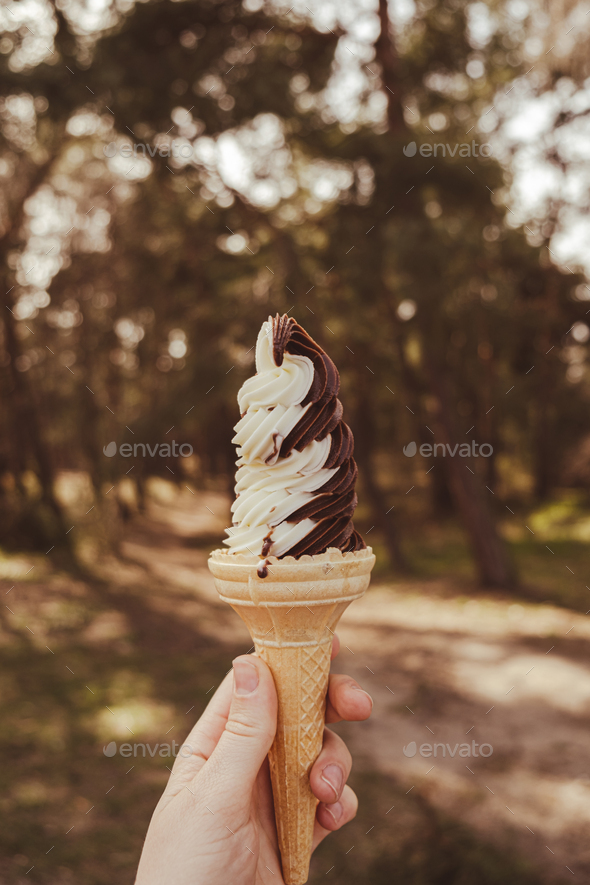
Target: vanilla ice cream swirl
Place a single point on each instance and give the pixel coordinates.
(295, 484)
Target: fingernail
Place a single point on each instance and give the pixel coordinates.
(245, 677)
(335, 811)
(356, 688)
(333, 776)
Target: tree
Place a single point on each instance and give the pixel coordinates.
(432, 303)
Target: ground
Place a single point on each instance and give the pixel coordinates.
(130, 651)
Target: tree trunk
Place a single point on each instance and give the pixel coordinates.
(24, 405)
(493, 562)
(490, 553)
(543, 395)
(543, 460)
(382, 515)
(387, 57)
(442, 502)
(27, 420)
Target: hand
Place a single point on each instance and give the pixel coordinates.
(215, 824)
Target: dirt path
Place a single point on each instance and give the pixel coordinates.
(450, 671)
(442, 669)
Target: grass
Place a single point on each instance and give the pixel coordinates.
(551, 559)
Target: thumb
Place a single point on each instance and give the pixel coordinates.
(250, 727)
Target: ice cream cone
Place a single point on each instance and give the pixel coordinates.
(291, 615)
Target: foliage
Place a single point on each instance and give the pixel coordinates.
(135, 287)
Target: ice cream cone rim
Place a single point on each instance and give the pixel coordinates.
(332, 554)
(306, 643)
(288, 603)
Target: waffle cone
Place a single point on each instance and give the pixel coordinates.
(291, 615)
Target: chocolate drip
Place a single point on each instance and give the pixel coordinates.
(267, 544)
(334, 503)
(262, 570)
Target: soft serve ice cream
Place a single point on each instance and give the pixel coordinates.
(295, 484)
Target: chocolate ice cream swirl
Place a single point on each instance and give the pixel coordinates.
(295, 484)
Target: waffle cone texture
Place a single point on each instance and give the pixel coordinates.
(291, 615)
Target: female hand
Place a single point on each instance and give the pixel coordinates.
(215, 824)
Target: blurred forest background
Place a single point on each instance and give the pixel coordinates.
(172, 173)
